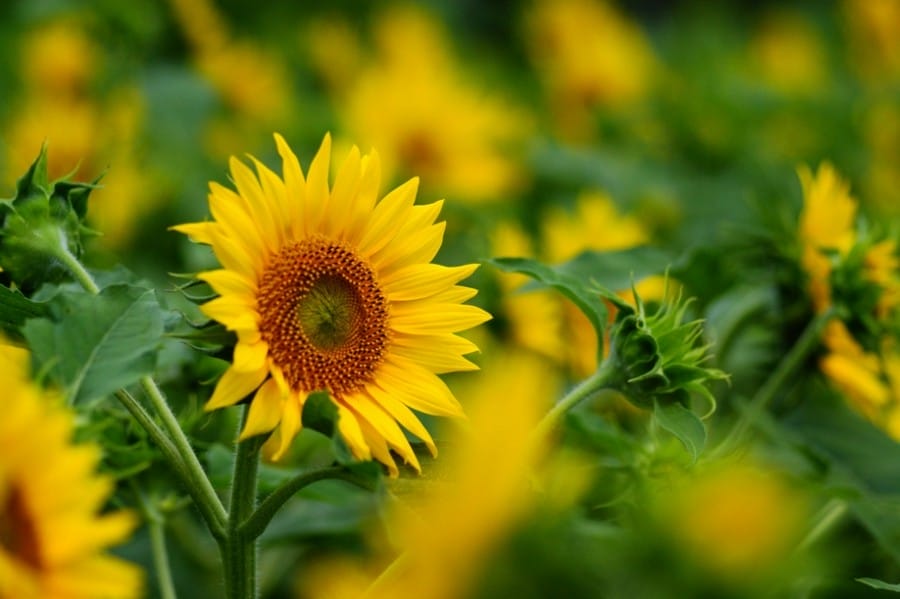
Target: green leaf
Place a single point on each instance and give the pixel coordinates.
(95, 344)
(879, 584)
(580, 291)
(15, 309)
(321, 415)
(684, 424)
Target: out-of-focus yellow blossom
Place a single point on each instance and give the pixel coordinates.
(826, 223)
(335, 52)
(588, 55)
(53, 539)
(415, 104)
(58, 58)
(446, 539)
(881, 129)
(738, 521)
(787, 53)
(856, 372)
(553, 326)
(69, 127)
(251, 81)
(874, 31)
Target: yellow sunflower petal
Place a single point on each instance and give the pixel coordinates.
(378, 447)
(265, 410)
(235, 312)
(422, 280)
(343, 195)
(295, 188)
(388, 216)
(385, 426)
(426, 318)
(256, 204)
(350, 431)
(317, 194)
(417, 388)
(228, 282)
(198, 232)
(364, 202)
(403, 415)
(234, 386)
(250, 357)
(232, 218)
(430, 353)
(277, 445)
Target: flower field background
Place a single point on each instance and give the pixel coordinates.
(552, 298)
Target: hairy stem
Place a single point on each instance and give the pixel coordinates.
(585, 389)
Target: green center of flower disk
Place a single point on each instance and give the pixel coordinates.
(18, 536)
(323, 315)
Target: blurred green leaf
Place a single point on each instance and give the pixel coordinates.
(321, 415)
(880, 584)
(93, 345)
(684, 424)
(15, 309)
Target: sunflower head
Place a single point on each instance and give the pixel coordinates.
(331, 288)
(52, 536)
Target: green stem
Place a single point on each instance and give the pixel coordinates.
(75, 267)
(586, 388)
(257, 522)
(805, 345)
(239, 549)
(173, 457)
(156, 527)
(828, 516)
(204, 493)
(184, 460)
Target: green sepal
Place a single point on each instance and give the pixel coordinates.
(43, 221)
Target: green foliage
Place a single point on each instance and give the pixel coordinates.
(93, 345)
(684, 424)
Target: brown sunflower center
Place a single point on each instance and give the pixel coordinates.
(18, 535)
(323, 315)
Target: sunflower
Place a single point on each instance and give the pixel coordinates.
(332, 289)
(51, 537)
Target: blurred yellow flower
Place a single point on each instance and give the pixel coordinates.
(787, 53)
(826, 223)
(588, 55)
(415, 104)
(335, 52)
(738, 521)
(58, 58)
(874, 32)
(446, 539)
(52, 537)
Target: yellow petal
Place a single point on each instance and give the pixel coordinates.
(256, 204)
(295, 186)
(436, 353)
(343, 195)
(417, 388)
(228, 282)
(317, 193)
(425, 318)
(350, 431)
(387, 217)
(249, 357)
(234, 386)
(379, 447)
(234, 312)
(276, 446)
(422, 280)
(265, 410)
(386, 427)
(198, 232)
(403, 415)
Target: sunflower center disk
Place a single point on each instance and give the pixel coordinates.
(17, 533)
(323, 315)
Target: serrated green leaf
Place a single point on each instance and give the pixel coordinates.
(879, 584)
(95, 344)
(683, 424)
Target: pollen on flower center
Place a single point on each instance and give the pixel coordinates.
(17, 533)
(323, 315)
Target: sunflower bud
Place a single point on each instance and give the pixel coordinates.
(656, 358)
(41, 224)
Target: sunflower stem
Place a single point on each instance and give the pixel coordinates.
(203, 490)
(77, 270)
(156, 527)
(175, 446)
(601, 379)
(239, 549)
(831, 514)
(792, 361)
(257, 522)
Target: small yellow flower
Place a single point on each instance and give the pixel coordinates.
(330, 288)
(59, 58)
(787, 53)
(52, 537)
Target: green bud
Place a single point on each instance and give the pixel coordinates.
(42, 224)
(657, 357)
